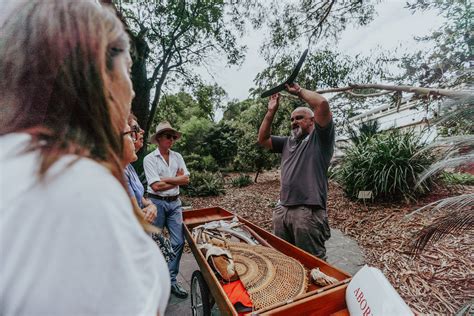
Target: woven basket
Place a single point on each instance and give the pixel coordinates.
(269, 276)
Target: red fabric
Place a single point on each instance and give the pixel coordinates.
(236, 292)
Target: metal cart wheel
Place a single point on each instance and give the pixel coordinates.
(201, 298)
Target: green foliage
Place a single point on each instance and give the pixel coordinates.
(329, 69)
(252, 157)
(452, 49)
(386, 164)
(193, 139)
(458, 125)
(322, 68)
(176, 109)
(292, 23)
(222, 143)
(181, 107)
(204, 184)
(457, 178)
(209, 98)
(366, 130)
(242, 180)
(196, 162)
(171, 39)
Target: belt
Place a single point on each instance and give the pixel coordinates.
(164, 198)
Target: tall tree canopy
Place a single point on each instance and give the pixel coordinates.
(295, 24)
(448, 62)
(171, 37)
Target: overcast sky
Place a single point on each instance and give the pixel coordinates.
(393, 26)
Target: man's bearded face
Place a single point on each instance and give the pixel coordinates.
(297, 132)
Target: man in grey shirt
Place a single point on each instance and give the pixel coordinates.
(300, 217)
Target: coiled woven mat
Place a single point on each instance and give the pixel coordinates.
(269, 276)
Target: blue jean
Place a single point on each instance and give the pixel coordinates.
(170, 215)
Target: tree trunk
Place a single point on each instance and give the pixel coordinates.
(157, 97)
(141, 85)
(256, 176)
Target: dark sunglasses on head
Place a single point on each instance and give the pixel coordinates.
(170, 136)
(132, 134)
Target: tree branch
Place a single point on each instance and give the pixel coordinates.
(409, 89)
(367, 95)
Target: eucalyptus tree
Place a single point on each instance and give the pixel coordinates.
(324, 70)
(450, 60)
(170, 38)
(296, 24)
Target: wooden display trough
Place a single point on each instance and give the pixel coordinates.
(328, 300)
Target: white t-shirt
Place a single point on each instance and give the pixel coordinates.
(155, 167)
(70, 244)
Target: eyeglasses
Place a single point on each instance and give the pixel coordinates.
(135, 128)
(131, 134)
(298, 118)
(170, 136)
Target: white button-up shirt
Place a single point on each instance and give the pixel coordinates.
(156, 167)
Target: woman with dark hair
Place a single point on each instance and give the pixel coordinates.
(135, 187)
(71, 240)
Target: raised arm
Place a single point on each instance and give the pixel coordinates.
(319, 104)
(266, 127)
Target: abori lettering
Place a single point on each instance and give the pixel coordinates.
(364, 306)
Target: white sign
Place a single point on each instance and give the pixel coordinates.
(365, 195)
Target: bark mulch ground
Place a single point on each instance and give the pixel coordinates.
(438, 281)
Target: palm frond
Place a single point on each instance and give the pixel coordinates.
(454, 203)
(453, 222)
(450, 143)
(455, 109)
(443, 164)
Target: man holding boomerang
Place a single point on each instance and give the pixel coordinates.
(300, 216)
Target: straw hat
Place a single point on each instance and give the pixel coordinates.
(161, 128)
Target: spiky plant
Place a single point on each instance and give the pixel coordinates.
(386, 164)
(454, 151)
(366, 130)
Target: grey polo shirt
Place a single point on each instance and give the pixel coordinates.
(304, 166)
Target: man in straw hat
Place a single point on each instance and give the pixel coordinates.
(300, 216)
(165, 171)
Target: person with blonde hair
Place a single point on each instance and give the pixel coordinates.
(70, 239)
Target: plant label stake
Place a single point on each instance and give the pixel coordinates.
(364, 195)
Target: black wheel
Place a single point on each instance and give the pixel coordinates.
(201, 298)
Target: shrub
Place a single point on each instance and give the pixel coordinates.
(457, 178)
(200, 163)
(386, 164)
(242, 180)
(204, 184)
